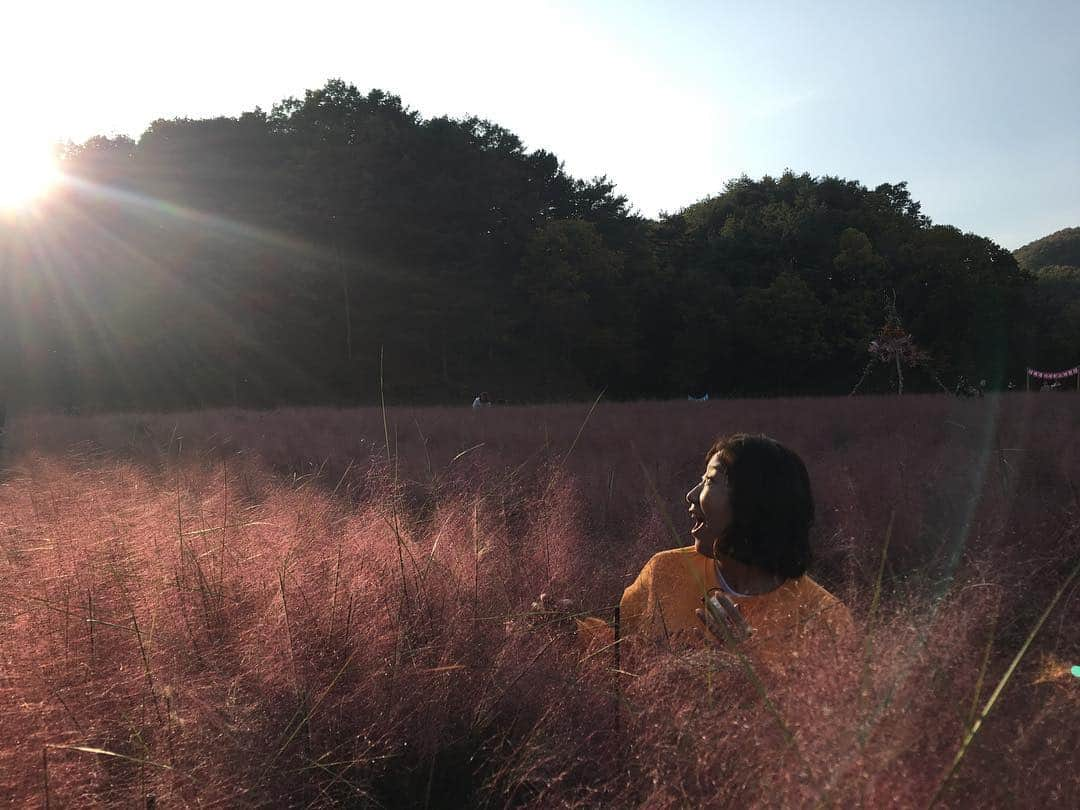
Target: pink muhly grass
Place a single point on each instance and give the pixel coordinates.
(257, 609)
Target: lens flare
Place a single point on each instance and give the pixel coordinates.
(28, 171)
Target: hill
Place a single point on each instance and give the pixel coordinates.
(1059, 248)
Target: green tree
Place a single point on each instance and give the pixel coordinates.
(580, 317)
(780, 330)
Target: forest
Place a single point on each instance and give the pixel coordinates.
(342, 247)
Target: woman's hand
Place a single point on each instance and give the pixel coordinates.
(723, 618)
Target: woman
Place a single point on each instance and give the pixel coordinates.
(743, 582)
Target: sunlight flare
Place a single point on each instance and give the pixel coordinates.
(28, 171)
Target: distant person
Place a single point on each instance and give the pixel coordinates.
(483, 400)
(743, 581)
(966, 390)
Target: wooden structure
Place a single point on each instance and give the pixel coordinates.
(895, 348)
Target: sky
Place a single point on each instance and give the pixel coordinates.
(975, 104)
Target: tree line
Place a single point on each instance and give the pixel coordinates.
(342, 246)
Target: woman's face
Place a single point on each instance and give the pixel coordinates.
(710, 508)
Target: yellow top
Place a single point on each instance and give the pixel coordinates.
(660, 606)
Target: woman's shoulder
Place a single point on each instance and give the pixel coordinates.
(673, 569)
(673, 560)
(671, 555)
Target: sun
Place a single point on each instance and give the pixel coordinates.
(28, 171)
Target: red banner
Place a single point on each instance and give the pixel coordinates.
(1053, 375)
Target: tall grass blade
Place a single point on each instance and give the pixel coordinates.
(101, 752)
(581, 429)
(992, 701)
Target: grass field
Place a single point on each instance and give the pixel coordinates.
(316, 608)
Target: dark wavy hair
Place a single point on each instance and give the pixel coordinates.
(772, 507)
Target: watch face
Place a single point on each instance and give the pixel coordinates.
(726, 620)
